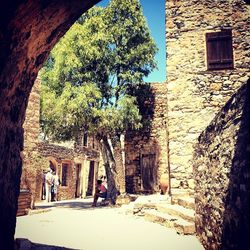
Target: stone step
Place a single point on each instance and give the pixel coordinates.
(177, 210)
(180, 225)
(176, 192)
(187, 202)
(153, 199)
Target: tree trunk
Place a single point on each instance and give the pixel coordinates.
(118, 150)
(110, 168)
(28, 31)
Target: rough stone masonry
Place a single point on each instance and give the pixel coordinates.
(195, 94)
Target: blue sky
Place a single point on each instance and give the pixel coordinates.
(154, 12)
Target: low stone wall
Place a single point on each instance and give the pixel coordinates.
(32, 173)
(222, 176)
(24, 202)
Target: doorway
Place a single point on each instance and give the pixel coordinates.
(91, 176)
(52, 166)
(78, 192)
(148, 173)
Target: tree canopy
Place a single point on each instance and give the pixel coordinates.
(85, 79)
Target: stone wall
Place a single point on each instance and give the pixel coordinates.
(32, 117)
(71, 156)
(196, 94)
(37, 155)
(151, 140)
(222, 176)
(33, 162)
(59, 155)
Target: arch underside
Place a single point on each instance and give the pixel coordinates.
(28, 31)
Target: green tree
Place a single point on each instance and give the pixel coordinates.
(132, 47)
(86, 79)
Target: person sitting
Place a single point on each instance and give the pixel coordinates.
(104, 181)
(100, 191)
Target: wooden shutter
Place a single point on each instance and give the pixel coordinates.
(219, 50)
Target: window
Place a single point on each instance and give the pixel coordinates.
(65, 167)
(219, 50)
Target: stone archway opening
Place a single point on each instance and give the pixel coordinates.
(53, 165)
(28, 31)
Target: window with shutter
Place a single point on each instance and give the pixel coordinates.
(219, 50)
(65, 167)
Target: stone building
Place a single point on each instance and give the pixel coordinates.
(208, 59)
(200, 129)
(146, 150)
(76, 166)
(208, 67)
(207, 46)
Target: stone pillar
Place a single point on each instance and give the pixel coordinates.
(33, 162)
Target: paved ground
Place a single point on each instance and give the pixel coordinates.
(76, 225)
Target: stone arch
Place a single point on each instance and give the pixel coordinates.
(28, 31)
(53, 163)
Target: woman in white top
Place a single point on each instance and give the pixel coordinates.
(56, 183)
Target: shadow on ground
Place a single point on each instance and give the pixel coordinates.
(75, 204)
(25, 244)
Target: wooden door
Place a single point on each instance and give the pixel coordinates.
(149, 173)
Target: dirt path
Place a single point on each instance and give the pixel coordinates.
(76, 225)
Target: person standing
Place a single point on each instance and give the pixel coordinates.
(43, 185)
(48, 184)
(56, 184)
